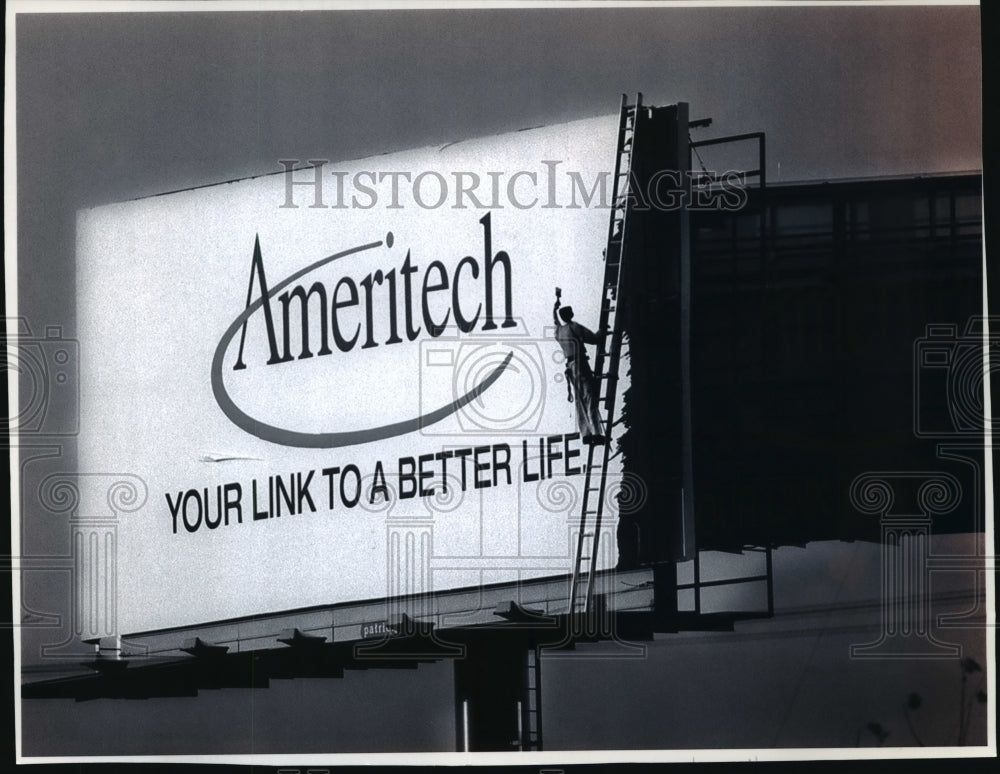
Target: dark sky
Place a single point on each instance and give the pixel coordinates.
(117, 106)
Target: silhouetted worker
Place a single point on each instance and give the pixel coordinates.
(572, 337)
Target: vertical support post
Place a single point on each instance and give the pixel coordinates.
(655, 302)
(769, 571)
(683, 155)
(535, 696)
(697, 583)
(665, 592)
(465, 725)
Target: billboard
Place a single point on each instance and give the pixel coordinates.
(340, 382)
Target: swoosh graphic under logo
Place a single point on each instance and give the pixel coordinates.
(286, 437)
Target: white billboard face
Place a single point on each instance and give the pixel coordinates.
(343, 392)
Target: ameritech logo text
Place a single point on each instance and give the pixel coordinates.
(387, 296)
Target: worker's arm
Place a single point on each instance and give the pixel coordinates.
(555, 313)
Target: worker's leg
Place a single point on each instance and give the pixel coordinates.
(587, 405)
(595, 413)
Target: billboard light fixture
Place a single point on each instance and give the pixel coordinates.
(201, 649)
(297, 639)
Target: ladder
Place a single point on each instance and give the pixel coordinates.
(605, 366)
(531, 723)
